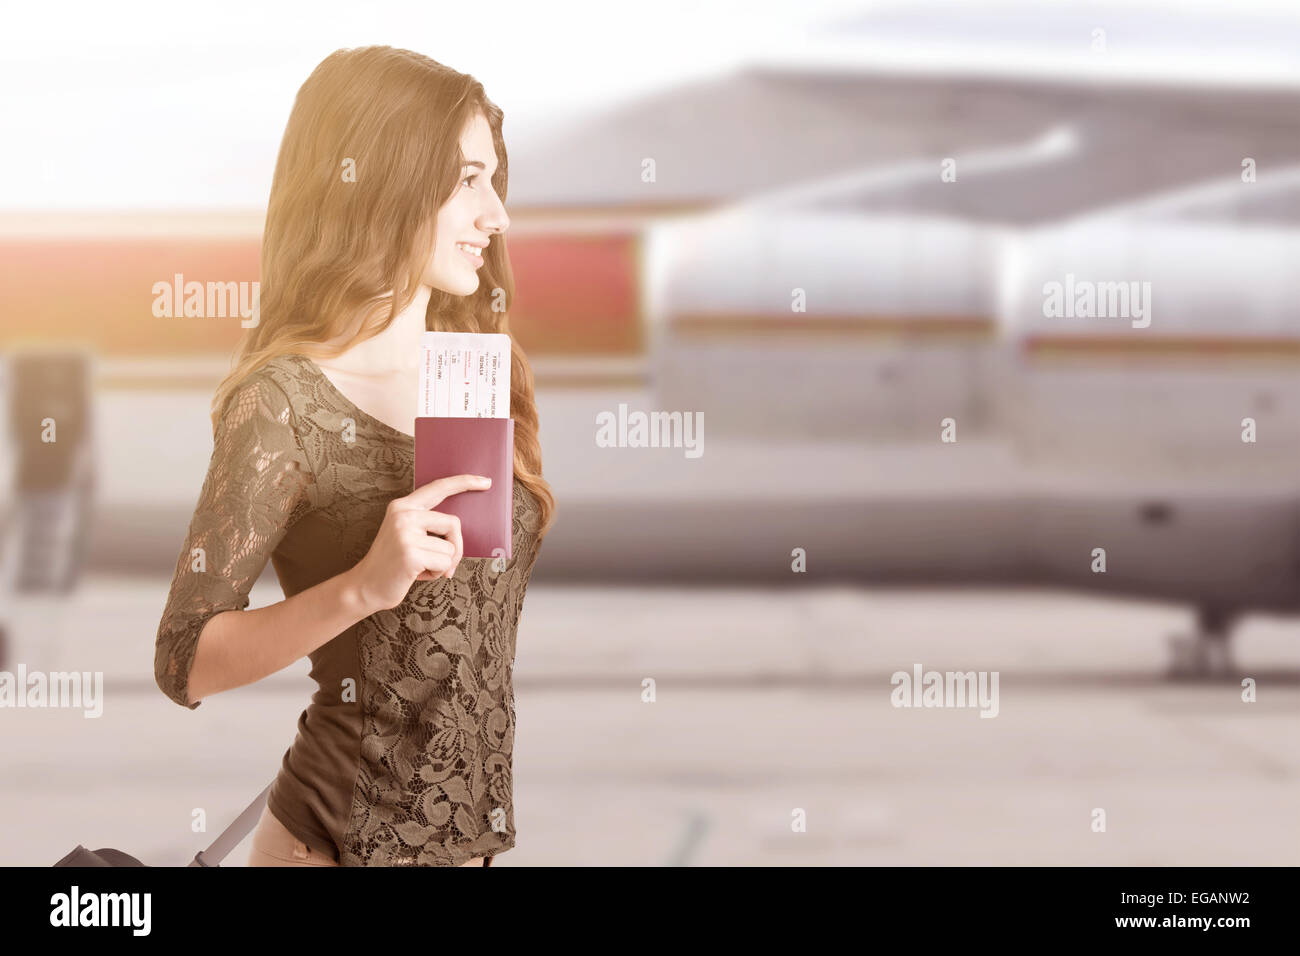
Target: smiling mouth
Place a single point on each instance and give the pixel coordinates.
(470, 252)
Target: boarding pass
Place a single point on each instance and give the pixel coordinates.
(465, 375)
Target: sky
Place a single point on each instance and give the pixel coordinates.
(150, 105)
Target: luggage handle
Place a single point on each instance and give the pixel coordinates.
(233, 834)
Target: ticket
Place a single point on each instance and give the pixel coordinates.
(465, 375)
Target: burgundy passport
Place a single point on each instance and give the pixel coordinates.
(472, 446)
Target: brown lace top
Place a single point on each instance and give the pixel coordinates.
(403, 756)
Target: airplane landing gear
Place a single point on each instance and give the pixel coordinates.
(1206, 653)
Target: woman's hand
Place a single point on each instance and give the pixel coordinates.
(407, 547)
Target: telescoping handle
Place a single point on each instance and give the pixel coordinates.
(233, 834)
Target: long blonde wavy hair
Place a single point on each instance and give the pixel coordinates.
(333, 249)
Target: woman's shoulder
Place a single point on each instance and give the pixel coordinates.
(295, 378)
(287, 371)
(269, 390)
(270, 404)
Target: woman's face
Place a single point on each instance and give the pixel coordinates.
(473, 215)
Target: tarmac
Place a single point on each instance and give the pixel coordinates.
(771, 706)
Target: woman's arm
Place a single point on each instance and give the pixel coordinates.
(240, 647)
(259, 483)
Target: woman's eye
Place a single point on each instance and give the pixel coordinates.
(469, 179)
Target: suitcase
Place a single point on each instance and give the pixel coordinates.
(212, 856)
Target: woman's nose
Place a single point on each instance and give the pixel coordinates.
(495, 218)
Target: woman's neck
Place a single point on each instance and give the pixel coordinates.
(396, 349)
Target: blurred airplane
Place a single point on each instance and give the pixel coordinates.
(915, 219)
(1143, 456)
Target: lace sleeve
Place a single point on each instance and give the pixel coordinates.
(259, 482)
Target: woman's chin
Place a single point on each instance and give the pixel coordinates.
(461, 285)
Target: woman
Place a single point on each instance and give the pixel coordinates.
(390, 163)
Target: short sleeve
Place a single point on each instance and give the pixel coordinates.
(259, 482)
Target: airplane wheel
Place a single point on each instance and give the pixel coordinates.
(1188, 656)
(1218, 660)
(1200, 655)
